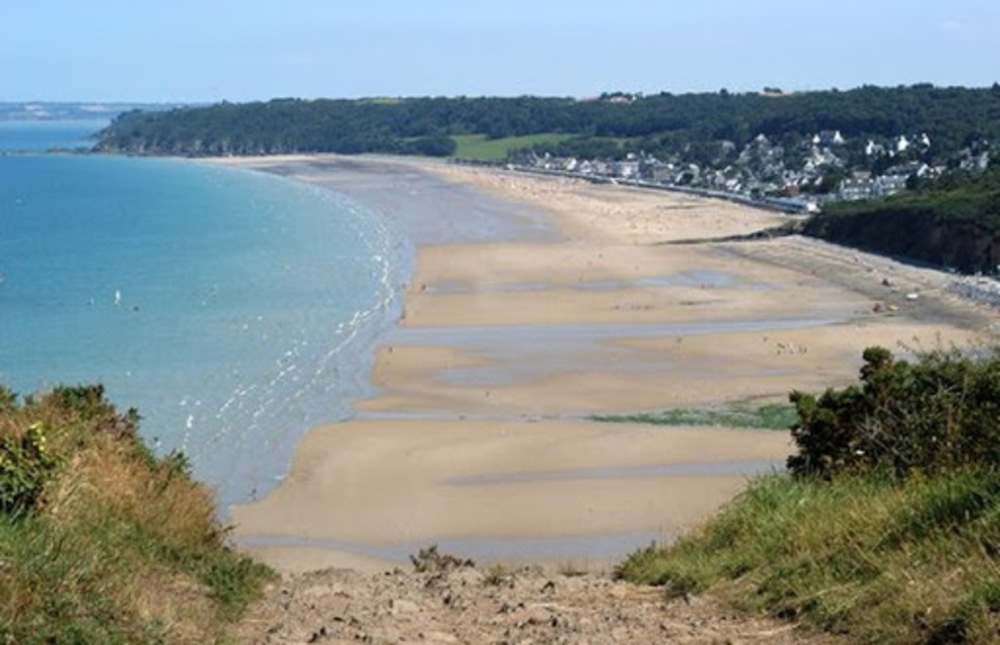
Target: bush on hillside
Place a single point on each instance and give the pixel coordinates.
(937, 413)
(887, 529)
(100, 539)
(25, 467)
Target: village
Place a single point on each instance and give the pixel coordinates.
(797, 177)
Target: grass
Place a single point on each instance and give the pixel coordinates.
(886, 527)
(772, 416)
(570, 569)
(875, 560)
(120, 546)
(477, 147)
(498, 575)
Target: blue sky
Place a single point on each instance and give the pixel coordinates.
(209, 50)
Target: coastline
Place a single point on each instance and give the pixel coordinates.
(558, 303)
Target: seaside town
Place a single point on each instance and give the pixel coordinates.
(798, 175)
(817, 170)
(794, 176)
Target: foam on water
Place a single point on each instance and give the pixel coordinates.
(235, 310)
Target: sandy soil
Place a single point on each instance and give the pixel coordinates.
(507, 344)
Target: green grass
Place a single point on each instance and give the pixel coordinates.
(772, 416)
(875, 560)
(476, 147)
(103, 542)
(887, 526)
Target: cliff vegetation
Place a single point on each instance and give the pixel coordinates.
(101, 541)
(887, 527)
(954, 222)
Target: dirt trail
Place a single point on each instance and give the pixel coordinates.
(457, 603)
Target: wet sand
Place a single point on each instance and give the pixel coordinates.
(372, 484)
(536, 302)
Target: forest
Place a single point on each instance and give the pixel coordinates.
(609, 126)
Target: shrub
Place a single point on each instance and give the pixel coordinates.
(938, 413)
(8, 400)
(25, 467)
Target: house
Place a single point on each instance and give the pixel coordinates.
(975, 162)
(888, 185)
(828, 138)
(907, 170)
(659, 172)
(853, 189)
(872, 149)
(626, 169)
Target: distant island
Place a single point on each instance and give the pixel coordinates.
(73, 111)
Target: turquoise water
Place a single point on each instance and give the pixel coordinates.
(39, 136)
(235, 310)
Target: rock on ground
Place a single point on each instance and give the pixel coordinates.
(459, 603)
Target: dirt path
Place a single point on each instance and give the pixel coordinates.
(463, 604)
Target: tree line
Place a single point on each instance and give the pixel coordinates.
(609, 126)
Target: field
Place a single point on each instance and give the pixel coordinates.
(476, 147)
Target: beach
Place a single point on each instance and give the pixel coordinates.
(538, 302)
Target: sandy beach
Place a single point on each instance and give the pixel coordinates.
(537, 302)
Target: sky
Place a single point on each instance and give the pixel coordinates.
(242, 50)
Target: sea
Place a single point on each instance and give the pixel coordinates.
(234, 310)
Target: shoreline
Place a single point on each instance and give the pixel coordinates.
(570, 307)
